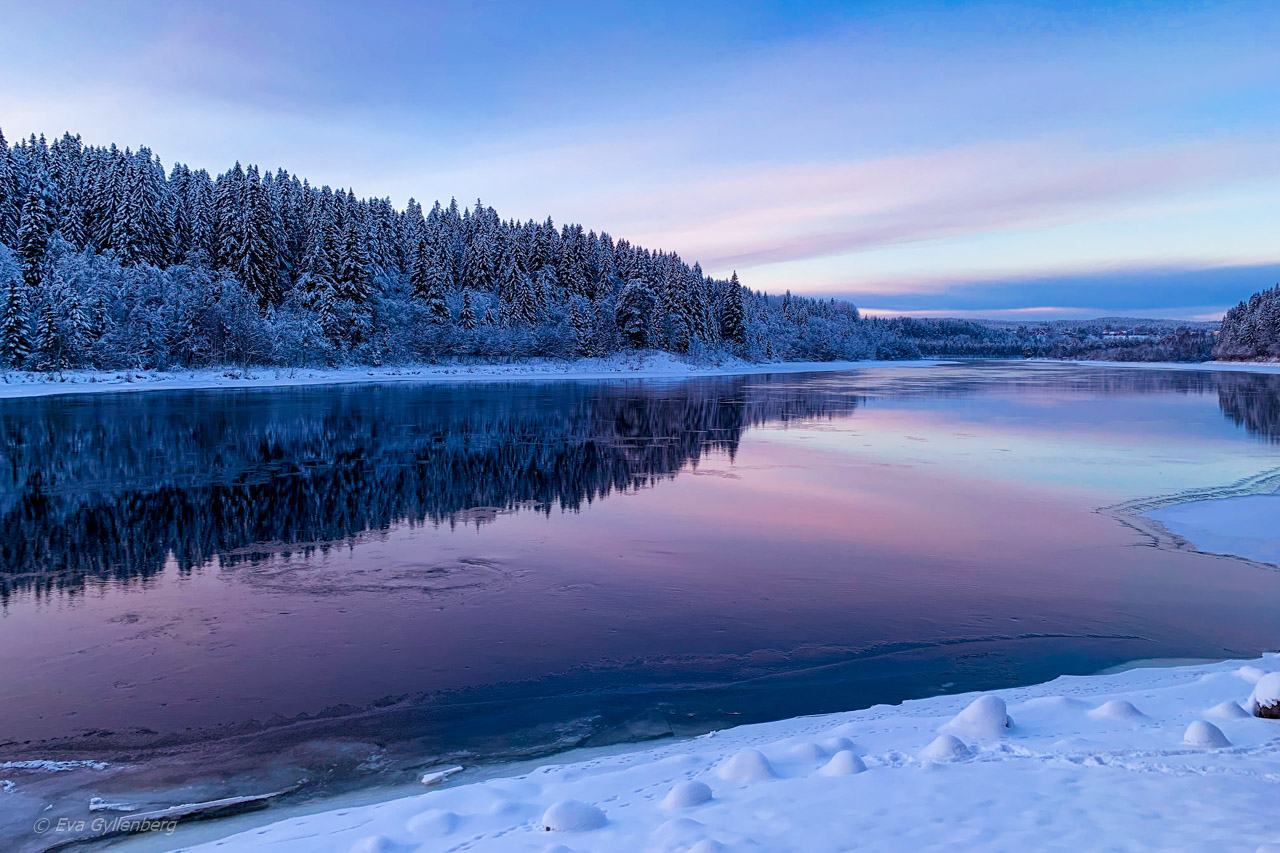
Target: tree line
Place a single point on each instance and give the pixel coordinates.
(109, 260)
(1251, 330)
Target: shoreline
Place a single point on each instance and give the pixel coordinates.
(223, 835)
(1059, 733)
(648, 366)
(19, 384)
(1267, 367)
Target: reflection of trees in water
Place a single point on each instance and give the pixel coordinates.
(115, 485)
(1252, 400)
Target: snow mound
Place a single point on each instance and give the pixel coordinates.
(679, 831)
(1200, 733)
(1055, 703)
(432, 823)
(1117, 709)
(838, 744)
(708, 845)
(1251, 674)
(687, 794)
(573, 816)
(986, 717)
(946, 748)
(807, 751)
(843, 763)
(747, 766)
(1227, 711)
(378, 844)
(1265, 699)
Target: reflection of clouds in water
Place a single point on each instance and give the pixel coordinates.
(117, 485)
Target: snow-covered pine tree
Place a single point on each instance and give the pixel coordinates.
(581, 326)
(733, 321)
(467, 316)
(15, 342)
(428, 281)
(258, 266)
(635, 312)
(49, 352)
(9, 200)
(352, 273)
(572, 266)
(33, 237)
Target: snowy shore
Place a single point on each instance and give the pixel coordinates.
(1147, 759)
(1228, 366)
(649, 366)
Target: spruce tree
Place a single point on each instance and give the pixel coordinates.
(467, 317)
(33, 238)
(428, 281)
(48, 350)
(581, 327)
(14, 342)
(635, 307)
(9, 211)
(733, 321)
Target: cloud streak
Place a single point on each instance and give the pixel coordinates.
(829, 149)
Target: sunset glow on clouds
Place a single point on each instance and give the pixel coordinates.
(976, 159)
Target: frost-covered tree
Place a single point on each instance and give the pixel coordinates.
(15, 341)
(635, 310)
(733, 321)
(183, 268)
(33, 237)
(1251, 330)
(467, 316)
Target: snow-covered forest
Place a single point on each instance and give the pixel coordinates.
(1251, 330)
(111, 261)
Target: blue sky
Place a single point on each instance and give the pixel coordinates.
(1017, 159)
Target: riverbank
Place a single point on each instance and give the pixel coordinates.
(1229, 366)
(1082, 762)
(646, 366)
(657, 365)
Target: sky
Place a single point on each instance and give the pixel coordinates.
(952, 159)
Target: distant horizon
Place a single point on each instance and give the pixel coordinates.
(974, 160)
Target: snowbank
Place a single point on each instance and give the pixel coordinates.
(651, 366)
(1073, 765)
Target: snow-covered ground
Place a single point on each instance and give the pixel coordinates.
(649, 366)
(1147, 759)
